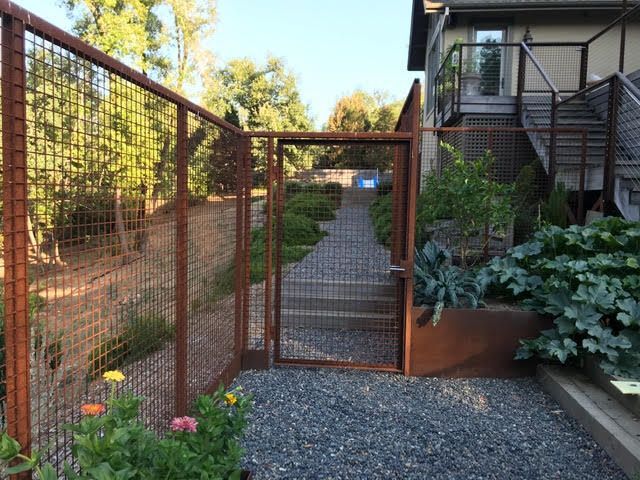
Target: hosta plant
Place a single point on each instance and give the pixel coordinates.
(588, 280)
(439, 284)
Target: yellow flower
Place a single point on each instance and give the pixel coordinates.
(113, 376)
(230, 398)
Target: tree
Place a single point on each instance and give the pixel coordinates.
(130, 31)
(161, 38)
(257, 97)
(363, 112)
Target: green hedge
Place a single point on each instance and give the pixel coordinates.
(313, 205)
(381, 216)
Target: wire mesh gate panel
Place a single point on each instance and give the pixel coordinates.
(336, 300)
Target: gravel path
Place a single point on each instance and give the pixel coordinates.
(350, 251)
(339, 424)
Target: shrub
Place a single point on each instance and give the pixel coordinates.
(588, 279)
(315, 206)
(385, 188)
(142, 335)
(380, 212)
(554, 210)
(466, 194)
(439, 284)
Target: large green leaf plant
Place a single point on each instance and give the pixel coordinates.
(586, 278)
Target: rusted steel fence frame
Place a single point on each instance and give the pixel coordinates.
(16, 288)
(15, 23)
(409, 122)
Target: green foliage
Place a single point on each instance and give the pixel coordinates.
(300, 233)
(362, 112)
(313, 205)
(588, 279)
(143, 334)
(526, 204)
(332, 190)
(117, 445)
(439, 284)
(380, 212)
(554, 210)
(466, 194)
(385, 188)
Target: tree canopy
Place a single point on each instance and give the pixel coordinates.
(363, 112)
(257, 97)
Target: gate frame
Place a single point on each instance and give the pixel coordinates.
(260, 358)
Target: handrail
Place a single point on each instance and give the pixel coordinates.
(613, 24)
(444, 61)
(623, 79)
(629, 84)
(535, 62)
(584, 91)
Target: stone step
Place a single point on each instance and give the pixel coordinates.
(339, 320)
(318, 301)
(614, 427)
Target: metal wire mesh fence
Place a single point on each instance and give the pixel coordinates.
(123, 216)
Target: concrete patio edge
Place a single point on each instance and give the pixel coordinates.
(610, 424)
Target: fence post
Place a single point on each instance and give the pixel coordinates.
(247, 180)
(240, 255)
(182, 239)
(269, 252)
(16, 253)
(608, 174)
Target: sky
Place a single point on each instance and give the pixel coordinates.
(332, 46)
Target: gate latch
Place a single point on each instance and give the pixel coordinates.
(400, 270)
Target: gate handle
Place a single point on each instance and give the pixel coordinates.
(396, 268)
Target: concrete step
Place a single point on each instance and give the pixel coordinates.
(319, 301)
(323, 288)
(614, 427)
(339, 320)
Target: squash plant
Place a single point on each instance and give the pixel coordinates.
(588, 279)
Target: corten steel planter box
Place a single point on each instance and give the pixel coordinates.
(471, 343)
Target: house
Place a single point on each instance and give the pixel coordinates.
(539, 63)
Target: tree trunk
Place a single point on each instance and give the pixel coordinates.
(40, 256)
(120, 227)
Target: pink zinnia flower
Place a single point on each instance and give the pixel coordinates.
(184, 424)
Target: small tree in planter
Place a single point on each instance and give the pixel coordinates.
(466, 195)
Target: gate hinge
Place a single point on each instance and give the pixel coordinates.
(402, 270)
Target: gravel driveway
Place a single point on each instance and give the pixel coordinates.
(340, 424)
